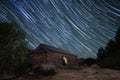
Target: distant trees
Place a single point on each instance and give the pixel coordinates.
(13, 48)
(110, 56)
(101, 54)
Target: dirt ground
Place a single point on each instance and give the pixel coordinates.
(78, 74)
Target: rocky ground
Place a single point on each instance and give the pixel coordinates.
(90, 73)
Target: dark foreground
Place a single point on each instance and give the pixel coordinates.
(75, 74)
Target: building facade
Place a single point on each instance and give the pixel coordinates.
(45, 54)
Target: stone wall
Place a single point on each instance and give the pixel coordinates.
(51, 57)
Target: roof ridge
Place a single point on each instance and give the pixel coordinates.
(54, 49)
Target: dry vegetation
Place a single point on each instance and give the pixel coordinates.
(77, 74)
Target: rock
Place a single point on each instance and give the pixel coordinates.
(48, 69)
(95, 66)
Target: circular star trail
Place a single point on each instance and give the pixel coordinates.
(80, 26)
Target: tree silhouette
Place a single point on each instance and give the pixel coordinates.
(13, 48)
(101, 54)
(110, 57)
(117, 38)
(110, 48)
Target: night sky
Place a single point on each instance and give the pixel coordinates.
(80, 26)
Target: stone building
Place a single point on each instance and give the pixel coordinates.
(45, 54)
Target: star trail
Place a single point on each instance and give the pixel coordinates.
(80, 26)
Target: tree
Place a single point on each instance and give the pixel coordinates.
(117, 38)
(101, 54)
(13, 48)
(111, 56)
(110, 48)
